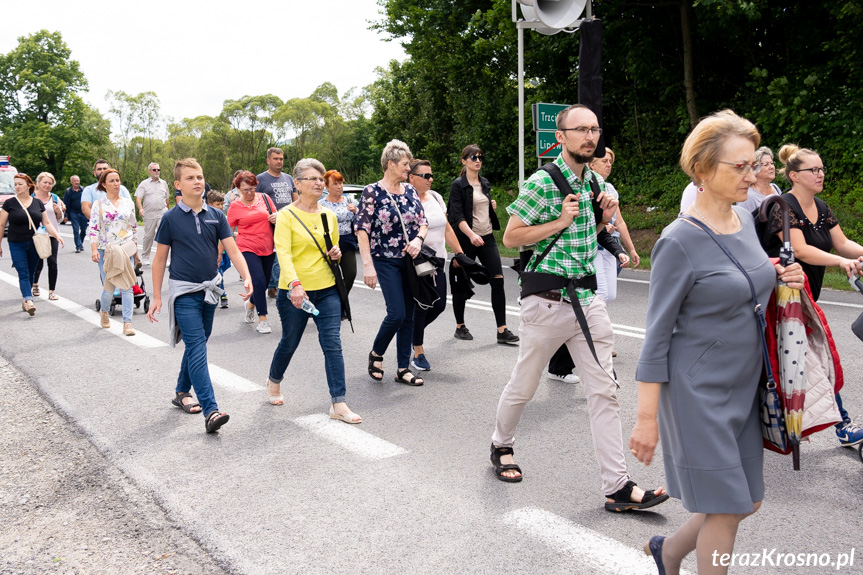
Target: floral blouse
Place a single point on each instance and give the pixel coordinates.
(345, 217)
(379, 218)
(113, 225)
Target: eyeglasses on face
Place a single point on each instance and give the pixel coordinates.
(815, 171)
(315, 179)
(428, 176)
(744, 168)
(584, 130)
(476, 157)
(155, 169)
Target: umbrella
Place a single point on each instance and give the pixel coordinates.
(791, 337)
(341, 286)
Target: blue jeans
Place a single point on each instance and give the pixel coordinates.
(79, 228)
(329, 323)
(25, 259)
(399, 321)
(126, 295)
(274, 276)
(194, 317)
(223, 267)
(842, 413)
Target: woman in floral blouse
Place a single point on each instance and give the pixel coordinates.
(389, 211)
(113, 221)
(345, 209)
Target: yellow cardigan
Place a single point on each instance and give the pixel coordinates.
(298, 256)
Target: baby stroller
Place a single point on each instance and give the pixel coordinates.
(139, 293)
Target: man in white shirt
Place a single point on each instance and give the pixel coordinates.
(151, 196)
(91, 194)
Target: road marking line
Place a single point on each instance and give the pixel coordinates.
(349, 436)
(585, 545)
(229, 380)
(92, 316)
(620, 279)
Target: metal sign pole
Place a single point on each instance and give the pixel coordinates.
(520, 106)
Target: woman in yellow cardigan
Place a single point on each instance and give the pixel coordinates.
(306, 279)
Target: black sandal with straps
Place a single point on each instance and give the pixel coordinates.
(623, 499)
(407, 377)
(215, 420)
(499, 468)
(375, 372)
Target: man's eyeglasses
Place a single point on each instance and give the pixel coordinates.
(584, 130)
(815, 171)
(426, 176)
(317, 179)
(476, 157)
(744, 168)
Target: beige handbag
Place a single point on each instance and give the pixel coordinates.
(41, 241)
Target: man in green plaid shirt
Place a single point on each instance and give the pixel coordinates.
(548, 319)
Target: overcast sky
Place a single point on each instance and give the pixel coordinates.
(197, 54)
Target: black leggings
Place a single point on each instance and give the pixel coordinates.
(52, 266)
(561, 362)
(348, 263)
(488, 256)
(423, 317)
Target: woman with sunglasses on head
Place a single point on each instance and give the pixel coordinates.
(54, 210)
(815, 231)
(391, 228)
(471, 212)
(763, 186)
(440, 234)
(20, 211)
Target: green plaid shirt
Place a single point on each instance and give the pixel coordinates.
(539, 201)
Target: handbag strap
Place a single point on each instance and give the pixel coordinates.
(305, 227)
(401, 217)
(29, 217)
(759, 313)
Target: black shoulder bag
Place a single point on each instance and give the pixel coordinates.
(773, 427)
(334, 267)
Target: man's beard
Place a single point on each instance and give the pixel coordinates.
(579, 158)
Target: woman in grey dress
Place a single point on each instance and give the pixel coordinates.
(701, 360)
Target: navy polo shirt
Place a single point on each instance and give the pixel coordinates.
(194, 240)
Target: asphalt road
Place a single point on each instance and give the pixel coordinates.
(410, 490)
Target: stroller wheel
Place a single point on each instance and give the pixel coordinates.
(146, 304)
(113, 309)
(98, 305)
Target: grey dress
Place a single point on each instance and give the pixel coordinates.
(702, 345)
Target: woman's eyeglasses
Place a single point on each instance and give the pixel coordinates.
(476, 157)
(321, 180)
(815, 171)
(744, 168)
(426, 176)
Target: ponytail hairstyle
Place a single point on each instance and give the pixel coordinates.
(467, 152)
(791, 156)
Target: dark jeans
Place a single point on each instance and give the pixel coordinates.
(24, 259)
(52, 266)
(194, 317)
(260, 268)
(399, 321)
(842, 413)
(329, 323)
(489, 256)
(273, 280)
(348, 263)
(79, 228)
(422, 318)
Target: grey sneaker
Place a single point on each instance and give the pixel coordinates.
(251, 315)
(463, 333)
(264, 327)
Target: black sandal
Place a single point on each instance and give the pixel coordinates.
(401, 377)
(623, 499)
(499, 468)
(187, 407)
(215, 420)
(376, 373)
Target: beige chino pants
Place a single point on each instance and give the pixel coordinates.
(151, 225)
(545, 325)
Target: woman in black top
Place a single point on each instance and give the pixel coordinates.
(814, 232)
(20, 235)
(471, 213)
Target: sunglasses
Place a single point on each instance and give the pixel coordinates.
(156, 170)
(476, 157)
(426, 176)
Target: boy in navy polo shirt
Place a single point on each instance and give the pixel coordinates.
(191, 233)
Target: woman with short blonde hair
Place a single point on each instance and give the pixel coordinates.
(54, 208)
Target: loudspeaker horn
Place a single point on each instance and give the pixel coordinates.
(555, 14)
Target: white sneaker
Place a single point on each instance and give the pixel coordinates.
(251, 315)
(568, 378)
(264, 327)
(145, 262)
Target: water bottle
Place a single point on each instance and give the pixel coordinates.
(308, 306)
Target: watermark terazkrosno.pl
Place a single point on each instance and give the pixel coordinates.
(774, 558)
